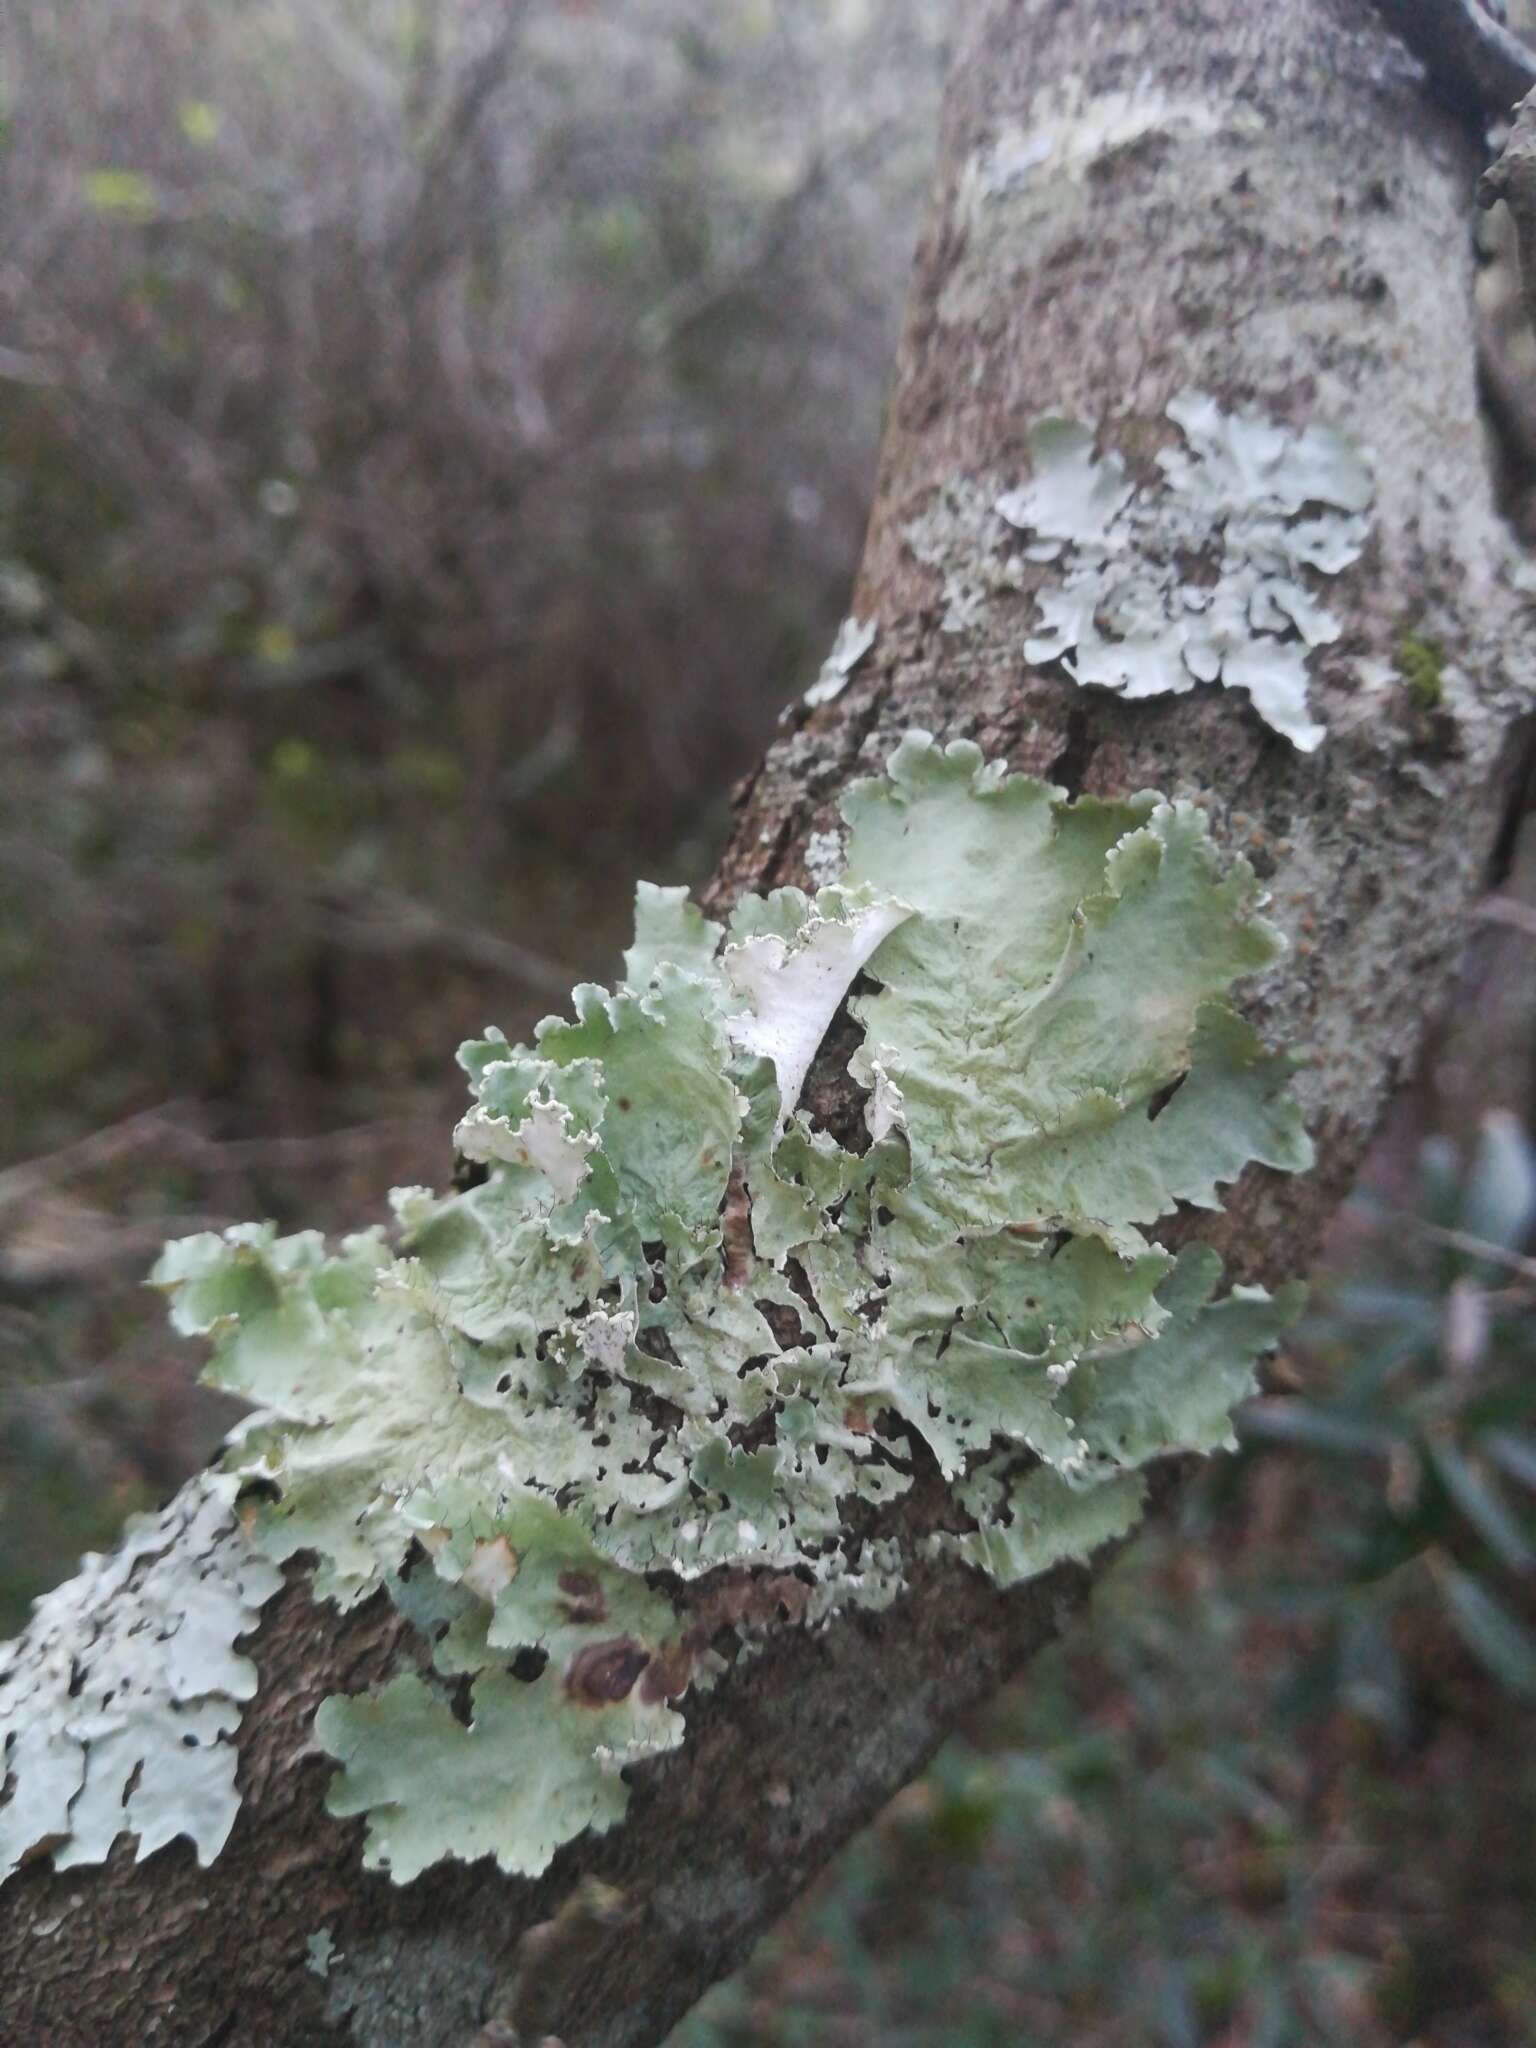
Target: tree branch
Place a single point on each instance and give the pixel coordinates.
(1267, 215)
(1475, 65)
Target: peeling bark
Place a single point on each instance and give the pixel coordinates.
(1512, 178)
(1275, 215)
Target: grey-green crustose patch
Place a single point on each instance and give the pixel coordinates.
(1209, 573)
(681, 1331)
(118, 1702)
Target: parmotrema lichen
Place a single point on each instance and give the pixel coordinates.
(680, 1330)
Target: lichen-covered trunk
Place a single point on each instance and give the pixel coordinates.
(1252, 202)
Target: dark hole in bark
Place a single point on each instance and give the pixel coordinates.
(1162, 1098)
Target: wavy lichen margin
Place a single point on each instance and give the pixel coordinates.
(1209, 571)
(656, 1376)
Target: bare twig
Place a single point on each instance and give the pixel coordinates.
(17, 367)
(383, 921)
(1510, 911)
(92, 1254)
(331, 37)
(24, 1182)
(1474, 63)
(164, 1130)
(351, 1142)
(1464, 1241)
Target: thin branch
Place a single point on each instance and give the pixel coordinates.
(161, 1130)
(1464, 1241)
(18, 367)
(27, 1270)
(1475, 65)
(383, 921)
(23, 1182)
(350, 1142)
(1510, 912)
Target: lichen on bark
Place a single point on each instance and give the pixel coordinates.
(1297, 239)
(1202, 572)
(118, 1701)
(680, 1329)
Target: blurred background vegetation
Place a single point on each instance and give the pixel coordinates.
(435, 438)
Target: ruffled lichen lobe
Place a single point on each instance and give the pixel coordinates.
(658, 1379)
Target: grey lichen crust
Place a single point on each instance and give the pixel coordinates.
(681, 1334)
(117, 1703)
(1201, 577)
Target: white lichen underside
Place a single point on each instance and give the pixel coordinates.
(855, 637)
(680, 1330)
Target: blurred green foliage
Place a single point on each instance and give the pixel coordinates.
(416, 421)
(1138, 1846)
(1422, 1434)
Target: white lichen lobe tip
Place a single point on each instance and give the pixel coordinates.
(793, 991)
(855, 637)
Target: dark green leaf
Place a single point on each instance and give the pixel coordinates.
(1514, 1452)
(1495, 1636)
(1480, 1502)
(1499, 1199)
(1284, 1420)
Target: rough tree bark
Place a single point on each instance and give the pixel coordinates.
(1280, 215)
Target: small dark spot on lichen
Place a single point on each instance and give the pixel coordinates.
(669, 1673)
(602, 1674)
(1161, 1098)
(583, 1600)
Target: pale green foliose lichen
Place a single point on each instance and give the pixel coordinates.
(1149, 589)
(680, 1330)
